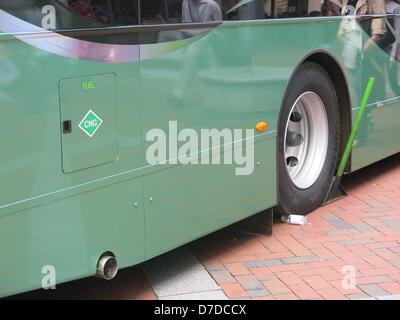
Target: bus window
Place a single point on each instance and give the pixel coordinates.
(73, 14)
(270, 9)
(180, 11)
(159, 12)
(242, 10)
(153, 12)
(331, 8)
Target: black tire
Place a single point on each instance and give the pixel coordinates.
(292, 200)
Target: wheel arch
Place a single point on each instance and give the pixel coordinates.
(335, 72)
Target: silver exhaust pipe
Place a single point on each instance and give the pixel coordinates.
(107, 267)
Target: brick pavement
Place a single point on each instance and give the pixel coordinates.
(359, 233)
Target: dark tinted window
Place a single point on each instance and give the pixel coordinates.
(196, 11)
(180, 11)
(161, 11)
(155, 12)
(292, 8)
(177, 11)
(242, 10)
(72, 14)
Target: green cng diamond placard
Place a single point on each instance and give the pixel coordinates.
(90, 123)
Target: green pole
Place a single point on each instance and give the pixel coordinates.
(356, 126)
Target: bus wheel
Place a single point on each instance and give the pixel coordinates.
(308, 140)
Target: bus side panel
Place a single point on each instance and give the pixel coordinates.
(68, 236)
(280, 48)
(48, 217)
(191, 201)
(31, 160)
(205, 85)
(379, 136)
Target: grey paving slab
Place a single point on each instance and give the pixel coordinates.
(363, 227)
(340, 224)
(384, 279)
(335, 232)
(328, 216)
(356, 241)
(373, 290)
(389, 297)
(377, 210)
(393, 224)
(178, 273)
(253, 293)
(249, 284)
(381, 250)
(262, 263)
(395, 261)
(206, 295)
(357, 296)
(309, 258)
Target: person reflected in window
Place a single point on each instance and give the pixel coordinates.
(393, 49)
(376, 28)
(394, 8)
(330, 8)
(200, 11)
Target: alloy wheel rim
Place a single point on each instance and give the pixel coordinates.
(306, 140)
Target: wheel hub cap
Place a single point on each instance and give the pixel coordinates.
(306, 140)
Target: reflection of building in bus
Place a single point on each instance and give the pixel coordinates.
(92, 9)
(268, 9)
(291, 8)
(161, 11)
(98, 11)
(177, 11)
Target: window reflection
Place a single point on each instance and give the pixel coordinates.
(153, 13)
(70, 14)
(73, 14)
(180, 11)
(292, 8)
(102, 12)
(201, 11)
(270, 9)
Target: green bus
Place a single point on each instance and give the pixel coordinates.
(83, 83)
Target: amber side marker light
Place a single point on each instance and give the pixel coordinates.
(261, 126)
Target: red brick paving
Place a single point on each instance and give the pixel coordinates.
(331, 294)
(234, 290)
(368, 238)
(275, 287)
(391, 287)
(237, 269)
(262, 273)
(371, 244)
